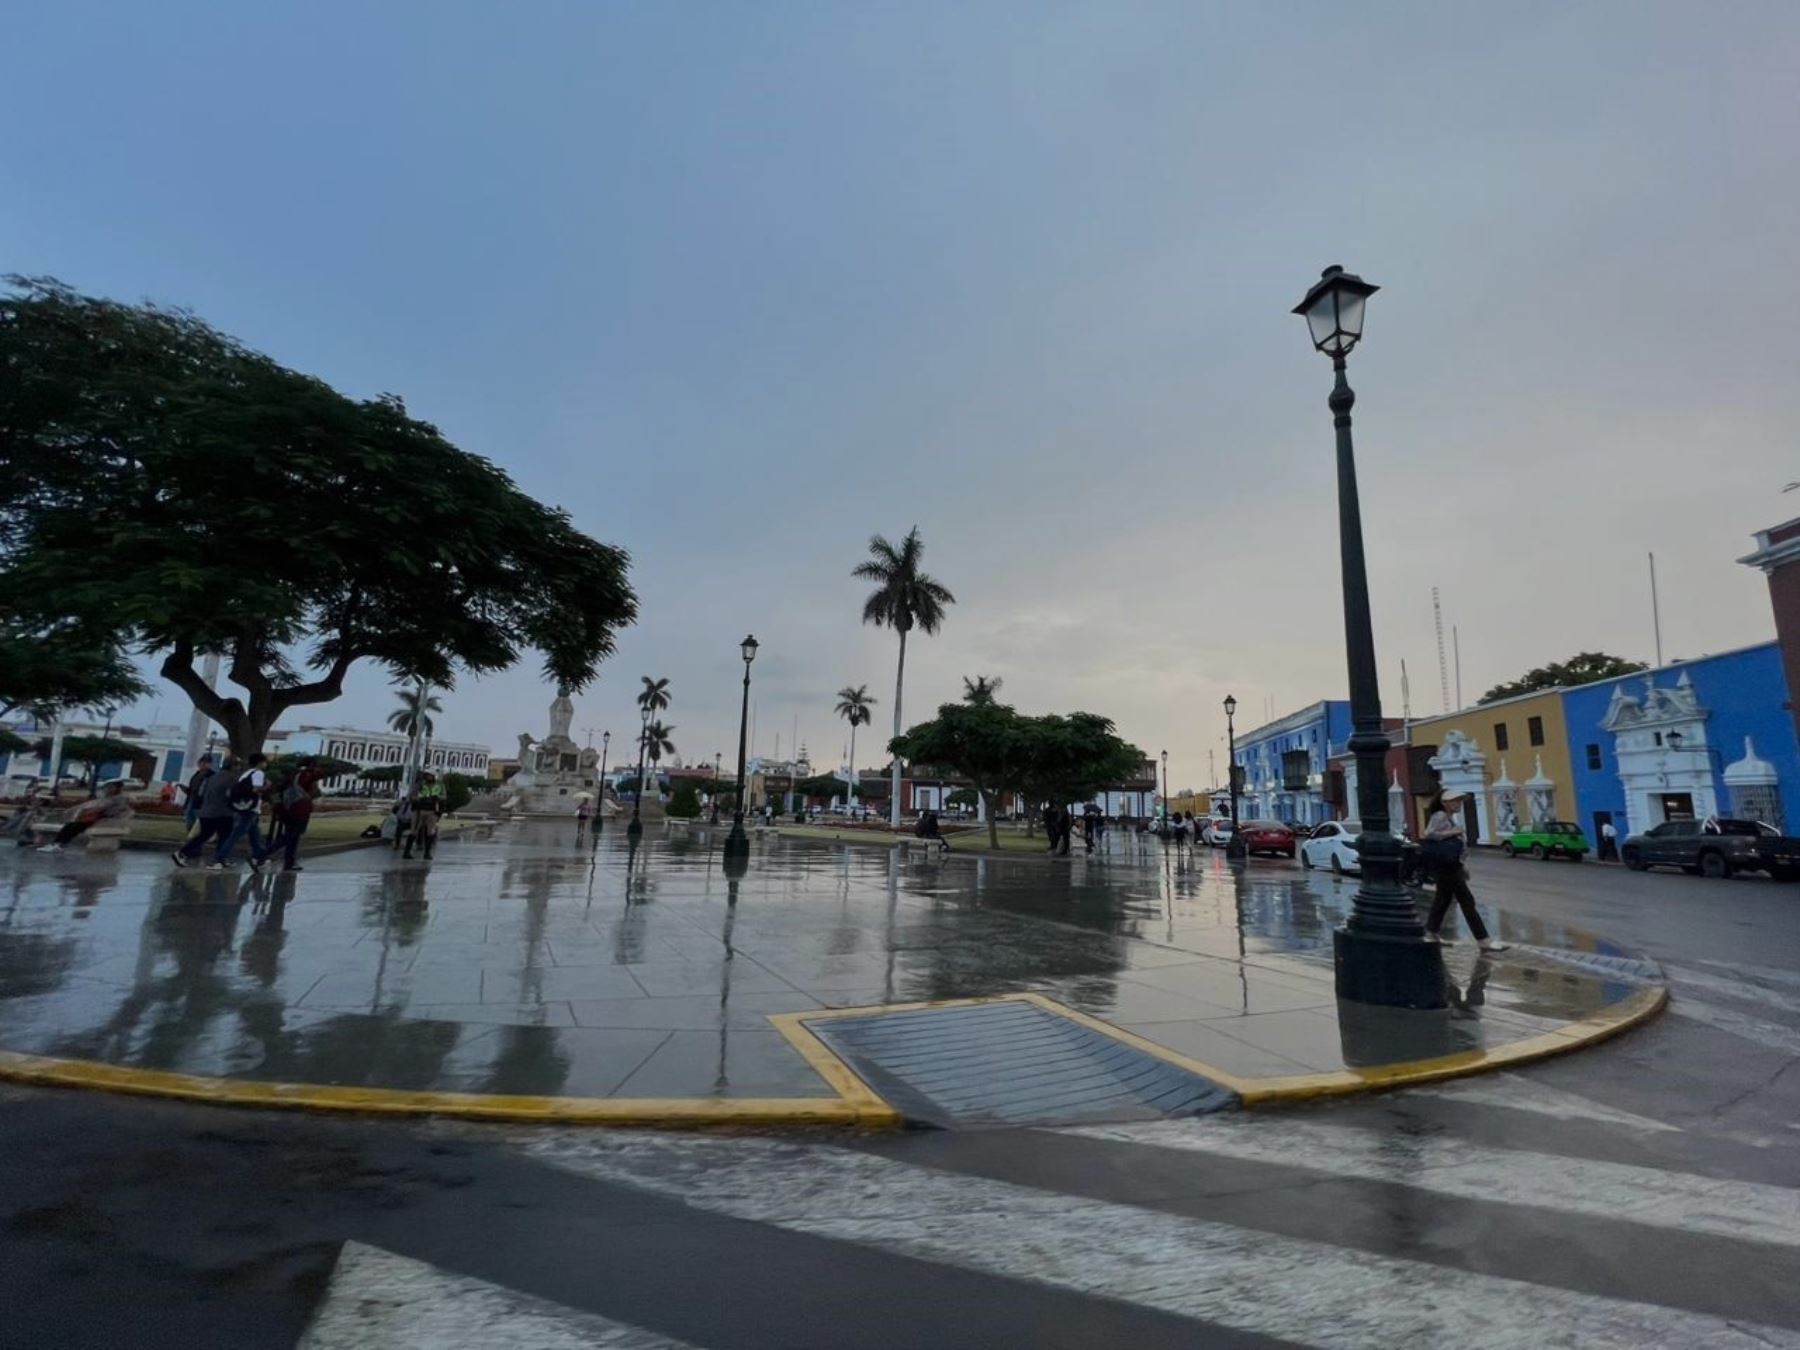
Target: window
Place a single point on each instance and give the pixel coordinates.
(1593, 756)
(1500, 736)
(1295, 766)
(1534, 730)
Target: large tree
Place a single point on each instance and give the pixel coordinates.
(164, 485)
(1058, 758)
(1582, 668)
(49, 663)
(904, 598)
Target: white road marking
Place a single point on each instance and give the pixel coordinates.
(1736, 989)
(1773, 974)
(1771, 1035)
(1297, 1290)
(380, 1301)
(1743, 1210)
(1514, 1092)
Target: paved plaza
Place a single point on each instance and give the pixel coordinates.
(526, 966)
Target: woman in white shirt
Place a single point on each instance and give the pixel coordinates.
(1444, 835)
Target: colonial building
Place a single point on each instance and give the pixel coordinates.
(1284, 764)
(1777, 556)
(376, 749)
(1509, 759)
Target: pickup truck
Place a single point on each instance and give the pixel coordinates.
(1715, 848)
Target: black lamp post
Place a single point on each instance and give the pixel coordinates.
(636, 829)
(1234, 846)
(1381, 955)
(737, 843)
(1165, 771)
(600, 782)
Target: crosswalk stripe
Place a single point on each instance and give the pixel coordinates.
(1742, 1210)
(1514, 1092)
(1773, 974)
(1295, 1289)
(1770, 1035)
(378, 1300)
(1733, 989)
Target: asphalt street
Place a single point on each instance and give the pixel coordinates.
(1643, 1192)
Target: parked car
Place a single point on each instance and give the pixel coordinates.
(1715, 848)
(1268, 836)
(1333, 845)
(1218, 833)
(1550, 839)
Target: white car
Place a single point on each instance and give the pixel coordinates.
(1333, 845)
(1218, 833)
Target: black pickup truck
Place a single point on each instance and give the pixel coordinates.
(1715, 848)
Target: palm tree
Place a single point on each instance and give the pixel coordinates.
(413, 716)
(656, 745)
(904, 599)
(654, 696)
(853, 706)
(981, 690)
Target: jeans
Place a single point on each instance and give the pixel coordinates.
(290, 838)
(73, 828)
(211, 827)
(247, 824)
(1453, 885)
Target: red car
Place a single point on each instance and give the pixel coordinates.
(1267, 836)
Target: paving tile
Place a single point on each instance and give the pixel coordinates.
(690, 1013)
(725, 1064)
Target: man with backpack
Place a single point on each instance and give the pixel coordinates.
(296, 805)
(246, 800)
(213, 814)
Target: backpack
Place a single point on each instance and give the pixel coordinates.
(293, 794)
(243, 792)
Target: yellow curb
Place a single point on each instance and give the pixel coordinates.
(1627, 1013)
(861, 1108)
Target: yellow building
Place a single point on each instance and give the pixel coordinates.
(1192, 803)
(1511, 758)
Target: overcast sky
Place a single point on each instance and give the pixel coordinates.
(740, 284)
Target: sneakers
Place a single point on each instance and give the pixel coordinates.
(217, 867)
(1495, 945)
(296, 867)
(256, 864)
(50, 848)
(1433, 938)
(177, 858)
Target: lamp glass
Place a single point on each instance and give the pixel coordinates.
(1230, 706)
(749, 646)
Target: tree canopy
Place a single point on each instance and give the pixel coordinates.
(166, 490)
(51, 662)
(1582, 668)
(91, 752)
(1055, 758)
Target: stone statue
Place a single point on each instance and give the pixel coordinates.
(524, 748)
(562, 713)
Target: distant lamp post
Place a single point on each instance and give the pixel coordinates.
(1234, 847)
(737, 843)
(1380, 953)
(600, 782)
(1165, 773)
(635, 830)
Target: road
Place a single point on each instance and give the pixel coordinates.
(1643, 1193)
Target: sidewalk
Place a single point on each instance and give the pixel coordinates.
(524, 976)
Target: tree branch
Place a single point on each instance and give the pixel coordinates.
(317, 691)
(178, 670)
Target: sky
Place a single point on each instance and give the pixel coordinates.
(741, 285)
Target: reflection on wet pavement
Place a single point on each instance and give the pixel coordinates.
(524, 963)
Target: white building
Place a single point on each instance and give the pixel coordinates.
(377, 749)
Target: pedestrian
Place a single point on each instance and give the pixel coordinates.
(1444, 848)
(1050, 826)
(196, 787)
(927, 829)
(297, 799)
(403, 823)
(428, 806)
(213, 817)
(246, 799)
(106, 807)
(583, 809)
(1609, 842)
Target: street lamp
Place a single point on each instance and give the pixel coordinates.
(1380, 954)
(600, 782)
(635, 830)
(1165, 763)
(737, 843)
(1234, 847)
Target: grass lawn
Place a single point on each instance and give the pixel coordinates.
(327, 827)
(965, 841)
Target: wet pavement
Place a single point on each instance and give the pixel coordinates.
(526, 962)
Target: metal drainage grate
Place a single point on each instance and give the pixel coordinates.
(1011, 1063)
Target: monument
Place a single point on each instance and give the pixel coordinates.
(556, 773)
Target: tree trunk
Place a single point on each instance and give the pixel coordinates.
(899, 685)
(850, 794)
(993, 824)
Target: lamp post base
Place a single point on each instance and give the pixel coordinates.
(737, 843)
(635, 830)
(1388, 972)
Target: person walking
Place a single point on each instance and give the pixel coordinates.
(108, 807)
(196, 787)
(1609, 842)
(427, 807)
(1444, 847)
(583, 810)
(297, 799)
(246, 800)
(214, 817)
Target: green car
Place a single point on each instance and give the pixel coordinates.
(1547, 840)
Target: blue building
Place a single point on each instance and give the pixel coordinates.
(1706, 737)
(1285, 764)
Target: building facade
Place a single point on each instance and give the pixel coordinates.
(1285, 763)
(380, 749)
(1509, 758)
(1712, 736)
(1777, 556)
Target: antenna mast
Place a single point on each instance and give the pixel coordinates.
(1437, 618)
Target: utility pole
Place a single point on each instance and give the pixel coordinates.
(1656, 610)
